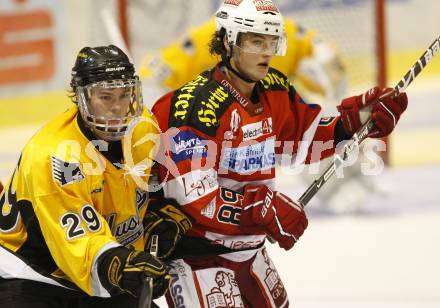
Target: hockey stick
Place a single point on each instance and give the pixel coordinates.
(146, 296)
(363, 132)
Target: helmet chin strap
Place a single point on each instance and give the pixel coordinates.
(239, 75)
(227, 61)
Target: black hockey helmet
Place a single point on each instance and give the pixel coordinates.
(95, 64)
(106, 69)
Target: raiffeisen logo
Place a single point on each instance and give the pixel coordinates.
(255, 130)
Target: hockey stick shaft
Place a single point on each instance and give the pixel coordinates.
(365, 130)
(146, 296)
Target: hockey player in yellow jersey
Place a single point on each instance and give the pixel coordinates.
(76, 212)
(309, 60)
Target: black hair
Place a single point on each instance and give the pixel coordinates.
(216, 45)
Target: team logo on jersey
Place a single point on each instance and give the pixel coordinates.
(235, 124)
(66, 172)
(128, 231)
(255, 130)
(225, 293)
(188, 145)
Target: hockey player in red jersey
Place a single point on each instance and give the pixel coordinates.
(226, 130)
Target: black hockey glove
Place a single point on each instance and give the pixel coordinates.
(164, 219)
(122, 269)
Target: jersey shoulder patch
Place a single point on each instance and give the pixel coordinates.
(275, 81)
(66, 172)
(200, 104)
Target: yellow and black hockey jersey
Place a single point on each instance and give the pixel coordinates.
(71, 198)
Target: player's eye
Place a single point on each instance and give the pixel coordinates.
(257, 42)
(105, 97)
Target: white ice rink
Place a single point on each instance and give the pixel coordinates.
(386, 257)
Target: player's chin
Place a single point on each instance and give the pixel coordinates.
(261, 71)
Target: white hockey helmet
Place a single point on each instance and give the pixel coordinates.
(254, 16)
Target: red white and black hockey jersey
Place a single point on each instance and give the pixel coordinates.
(224, 141)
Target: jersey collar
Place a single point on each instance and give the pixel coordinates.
(253, 108)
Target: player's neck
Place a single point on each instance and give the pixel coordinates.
(244, 87)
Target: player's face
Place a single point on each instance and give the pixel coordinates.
(109, 106)
(255, 53)
(110, 102)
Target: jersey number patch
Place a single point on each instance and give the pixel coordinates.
(230, 210)
(72, 221)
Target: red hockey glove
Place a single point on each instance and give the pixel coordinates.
(273, 213)
(385, 114)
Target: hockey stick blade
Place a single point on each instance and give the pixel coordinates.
(365, 130)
